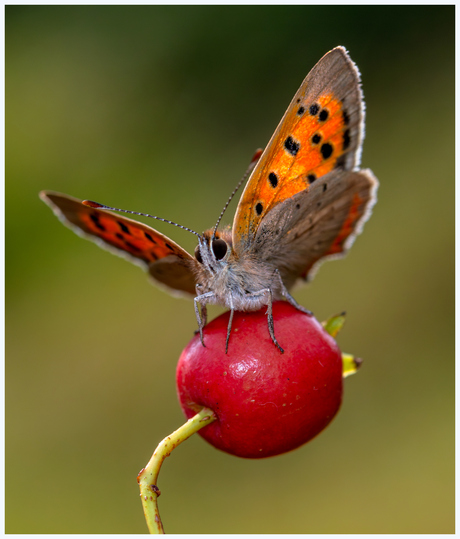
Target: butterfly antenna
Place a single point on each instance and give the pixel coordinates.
(250, 168)
(92, 204)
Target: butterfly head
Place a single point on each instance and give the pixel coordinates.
(213, 250)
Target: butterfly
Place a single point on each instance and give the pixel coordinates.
(304, 202)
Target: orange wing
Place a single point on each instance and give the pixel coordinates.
(166, 261)
(321, 130)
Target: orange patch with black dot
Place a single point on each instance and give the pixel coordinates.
(312, 139)
(128, 236)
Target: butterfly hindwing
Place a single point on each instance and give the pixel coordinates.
(166, 261)
(316, 224)
(322, 130)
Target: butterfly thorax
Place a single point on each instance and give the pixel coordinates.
(229, 279)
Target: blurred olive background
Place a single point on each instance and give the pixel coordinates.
(159, 109)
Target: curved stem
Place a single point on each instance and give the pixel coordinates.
(148, 476)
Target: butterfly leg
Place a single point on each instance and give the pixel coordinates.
(229, 329)
(271, 326)
(204, 317)
(204, 314)
(200, 301)
(290, 299)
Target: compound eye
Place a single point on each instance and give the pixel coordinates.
(198, 254)
(219, 248)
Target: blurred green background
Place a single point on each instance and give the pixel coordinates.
(159, 109)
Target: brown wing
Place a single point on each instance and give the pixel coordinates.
(166, 261)
(321, 130)
(316, 224)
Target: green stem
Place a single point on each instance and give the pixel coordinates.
(148, 476)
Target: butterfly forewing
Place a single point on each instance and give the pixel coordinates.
(320, 131)
(166, 261)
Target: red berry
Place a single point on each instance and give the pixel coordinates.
(266, 402)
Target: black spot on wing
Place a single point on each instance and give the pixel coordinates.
(300, 111)
(123, 227)
(316, 139)
(273, 179)
(259, 208)
(311, 178)
(95, 218)
(326, 150)
(149, 237)
(292, 146)
(314, 109)
(323, 115)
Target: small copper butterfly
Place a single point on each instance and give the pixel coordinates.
(304, 202)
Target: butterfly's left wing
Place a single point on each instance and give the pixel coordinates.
(315, 224)
(322, 130)
(167, 262)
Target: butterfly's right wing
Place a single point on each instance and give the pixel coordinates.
(322, 130)
(316, 224)
(167, 262)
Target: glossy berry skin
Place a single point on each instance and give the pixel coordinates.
(266, 402)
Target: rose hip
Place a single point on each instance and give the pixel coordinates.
(266, 402)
